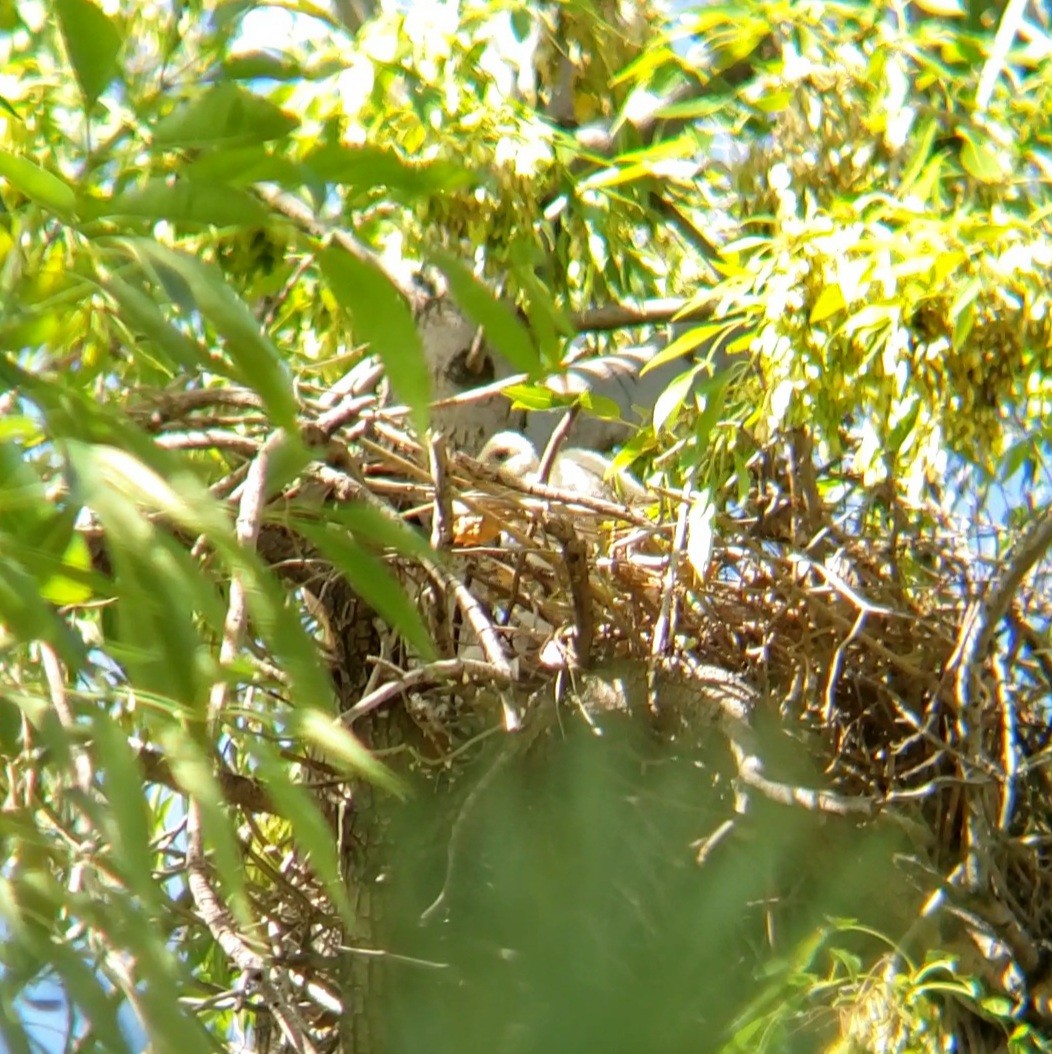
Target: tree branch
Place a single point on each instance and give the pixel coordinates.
(648, 313)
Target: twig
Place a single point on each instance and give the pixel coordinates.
(648, 313)
(575, 558)
(1009, 745)
(663, 624)
(442, 507)
(976, 636)
(211, 909)
(837, 665)
(239, 790)
(56, 683)
(555, 442)
(434, 672)
(208, 439)
(296, 211)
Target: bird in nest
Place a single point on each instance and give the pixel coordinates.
(575, 469)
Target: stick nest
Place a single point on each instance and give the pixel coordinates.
(870, 625)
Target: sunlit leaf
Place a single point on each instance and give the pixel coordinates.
(367, 166)
(343, 748)
(93, 42)
(37, 183)
(599, 406)
(373, 582)
(531, 397)
(257, 359)
(684, 343)
(829, 302)
(904, 427)
(64, 588)
(225, 114)
(184, 201)
(310, 830)
(194, 774)
(944, 8)
(980, 160)
(501, 328)
(962, 326)
(127, 817)
(383, 319)
(670, 401)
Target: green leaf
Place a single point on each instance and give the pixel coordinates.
(370, 166)
(373, 582)
(700, 533)
(599, 406)
(182, 201)
(502, 329)
(140, 312)
(193, 772)
(980, 160)
(904, 427)
(93, 42)
(670, 401)
(260, 65)
(741, 474)
(226, 114)
(382, 318)
(521, 23)
(126, 818)
(682, 344)
(550, 324)
(773, 100)
(998, 1006)
(245, 165)
(86, 991)
(920, 147)
(258, 362)
(309, 828)
(962, 326)
(531, 397)
(26, 613)
(171, 1028)
(65, 589)
(829, 302)
(341, 747)
(383, 529)
(38, 184)
(106, 471)
(280, 626)
(162, 593)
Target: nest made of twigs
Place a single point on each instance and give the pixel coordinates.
(864, 637)
(857, 640)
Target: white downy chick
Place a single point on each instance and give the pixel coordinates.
(575, 469)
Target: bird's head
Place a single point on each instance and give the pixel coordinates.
(510, 452)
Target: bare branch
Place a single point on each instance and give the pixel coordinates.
(648, 313)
